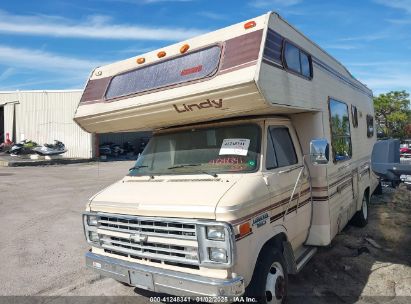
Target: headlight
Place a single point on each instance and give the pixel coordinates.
(93, 236)
(216, 246)
(90, 228)
(216, 233)
(218, 255)
(92, 220)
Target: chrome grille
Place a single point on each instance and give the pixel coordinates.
(124, 244)
(148, 227)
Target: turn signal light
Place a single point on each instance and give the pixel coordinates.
(161, 54)
(245, 229)
(141, 60)
(249, 24)
(184, 48)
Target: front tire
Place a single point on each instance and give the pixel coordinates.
(270, 279)
(360, 218)
(378, 190)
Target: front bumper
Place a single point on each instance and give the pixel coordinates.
(163, 280)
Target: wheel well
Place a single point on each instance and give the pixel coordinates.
(276, 242)
(367, 194)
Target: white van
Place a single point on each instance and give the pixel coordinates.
(239, 184)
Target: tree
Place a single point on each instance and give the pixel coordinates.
(408, 130)
(392, 113)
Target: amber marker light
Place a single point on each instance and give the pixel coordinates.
(161, 54)
(184, 48)
(249, 24)
(141, 60)
(245, 229)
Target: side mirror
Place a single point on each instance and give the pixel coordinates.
(319, 151)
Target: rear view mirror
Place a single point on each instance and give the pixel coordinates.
(319, 151)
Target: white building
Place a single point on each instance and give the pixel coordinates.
(43, 116)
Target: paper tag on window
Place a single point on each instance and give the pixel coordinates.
(235, 146)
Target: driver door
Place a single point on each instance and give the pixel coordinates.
(283, 172)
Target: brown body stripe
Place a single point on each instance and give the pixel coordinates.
(292, 209)
(341, 178)
(276, 217)
(302, 204)
(364, 172)
(328, 197)
(239, 237)
(270, 207)
(334, 183)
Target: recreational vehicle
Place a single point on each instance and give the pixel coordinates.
(260, 154)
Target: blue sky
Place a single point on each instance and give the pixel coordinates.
(53, 44)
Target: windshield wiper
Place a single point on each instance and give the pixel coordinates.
(210, 173)
(193, 165)
(183, 166)
(137, 167)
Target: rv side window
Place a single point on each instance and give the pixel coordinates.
(292, 58)
(305, 65)
(340, 130)
(280, 148)
(354, 114)
(370, 125)
(296, 60)
(273, 47)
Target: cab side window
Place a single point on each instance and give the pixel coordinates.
(280, 148)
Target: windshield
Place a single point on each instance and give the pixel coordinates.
(201, 151)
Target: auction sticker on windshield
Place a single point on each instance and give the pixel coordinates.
(235, 146)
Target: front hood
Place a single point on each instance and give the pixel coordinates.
(170, 196)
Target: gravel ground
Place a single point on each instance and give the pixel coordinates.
(42, 244)
(365, 265)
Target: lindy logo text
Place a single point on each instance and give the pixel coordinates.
(199, 106)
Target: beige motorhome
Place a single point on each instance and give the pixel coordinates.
(260, 154)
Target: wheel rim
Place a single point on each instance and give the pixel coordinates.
(275, 284)
(364, 208)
